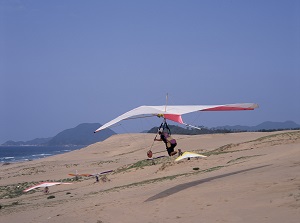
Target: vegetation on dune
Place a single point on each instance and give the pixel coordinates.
(279, 136)
(160, 179)
(51, 197)
(141, 164)
(10, 205)
(290, 136)
(275, 139)
(16, 190)
(242, 158)
(100, 163)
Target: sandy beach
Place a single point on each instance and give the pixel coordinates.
(246, 177)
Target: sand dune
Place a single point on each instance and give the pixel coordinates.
(247, 177)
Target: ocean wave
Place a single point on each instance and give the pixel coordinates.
(7, 159)
(42, 154)
(10, 154)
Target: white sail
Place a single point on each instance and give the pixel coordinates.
(174, 112)
(44, 184)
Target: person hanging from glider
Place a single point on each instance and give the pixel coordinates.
(165, 136)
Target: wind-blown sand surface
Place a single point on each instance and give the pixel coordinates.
(247, 177)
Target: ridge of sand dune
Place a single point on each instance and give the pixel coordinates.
(247, 177)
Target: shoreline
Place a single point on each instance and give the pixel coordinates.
(12, 154)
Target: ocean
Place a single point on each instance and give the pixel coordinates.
(9, 154)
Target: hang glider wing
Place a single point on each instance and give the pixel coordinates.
(44, 184)
(90, 174)
(98, 174)
(174, 112)
(80, 175)
(189, 155)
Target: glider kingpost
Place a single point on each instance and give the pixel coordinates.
(174, 112)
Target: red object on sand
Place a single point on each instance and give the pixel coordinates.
(149, 154)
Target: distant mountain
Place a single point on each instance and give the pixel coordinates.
(190, 131)
(37, 141)
(82, 134)
(267, 126)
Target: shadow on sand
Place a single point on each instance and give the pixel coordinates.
(184, 186)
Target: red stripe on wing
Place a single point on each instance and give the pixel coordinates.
(227, 108)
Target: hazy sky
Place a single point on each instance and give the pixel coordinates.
(63, 62)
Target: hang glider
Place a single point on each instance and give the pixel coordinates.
(44, 184)
(174, 112)
(89, 174)
(98, 174)
(80, 175)
(189, 155)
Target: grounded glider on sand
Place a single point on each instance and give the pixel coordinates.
(44, 184)
(187, 155)
(174, 112)
(90, 174)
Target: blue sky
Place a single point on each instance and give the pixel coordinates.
(63, 63)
